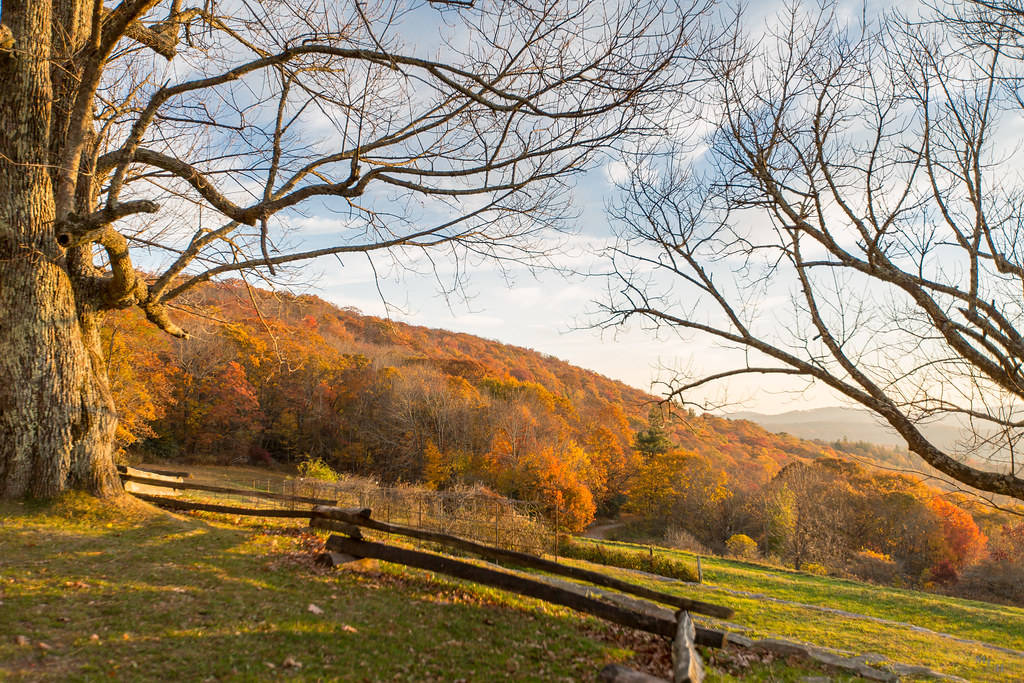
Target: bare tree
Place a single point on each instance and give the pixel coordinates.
(190, 137)
(870, 173)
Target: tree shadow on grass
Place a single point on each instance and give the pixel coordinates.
(166, 597)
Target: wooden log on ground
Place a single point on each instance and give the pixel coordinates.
(651, 623)
(350, 530)
(686, 664)
(525, 560)
(193, 486)
(351, 562)
(123, 469)
(187, 505)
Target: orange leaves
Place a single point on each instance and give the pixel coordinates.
(1008, 544)
(665, 484)
(964, 540)
(554, 478)
(406, 403)
(438, 468)
(139, 379)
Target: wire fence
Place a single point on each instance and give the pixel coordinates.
(471, 512)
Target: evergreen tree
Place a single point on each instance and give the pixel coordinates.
(653, 440)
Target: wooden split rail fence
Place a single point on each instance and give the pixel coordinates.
(144, 477)
(350, 546)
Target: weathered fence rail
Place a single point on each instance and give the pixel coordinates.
(359, 519)
(124, 469)
(649, 622)
(250, 493)
(189, 505)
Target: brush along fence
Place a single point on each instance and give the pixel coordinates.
(469, 512)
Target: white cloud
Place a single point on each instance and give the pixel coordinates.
(616, 172)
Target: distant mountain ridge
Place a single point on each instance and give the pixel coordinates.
(849, 424)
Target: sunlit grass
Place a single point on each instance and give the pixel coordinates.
(88, 592)
(149, 596)
(964, 619)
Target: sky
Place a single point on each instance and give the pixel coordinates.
(558, 314)
(554, 313)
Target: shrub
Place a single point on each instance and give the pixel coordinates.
(993, 581)
(869, 565)
(628, 559)
(316, 468)
(945, 572)
(814, 568)
(680, 538)
(741, 546)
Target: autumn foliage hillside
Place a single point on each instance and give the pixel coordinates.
(278, 378)
(297, 377)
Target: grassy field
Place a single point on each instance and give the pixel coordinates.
(964, 619)
(91, 592)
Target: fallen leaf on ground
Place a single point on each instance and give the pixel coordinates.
(314, 609)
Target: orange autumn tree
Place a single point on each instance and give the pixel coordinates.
(964, 541)
(680, 486)
(141, 382)
(551, 477)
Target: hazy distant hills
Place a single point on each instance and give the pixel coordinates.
(849, 424)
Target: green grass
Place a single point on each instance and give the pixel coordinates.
(644, 560)
(995, 624)
(89, 592)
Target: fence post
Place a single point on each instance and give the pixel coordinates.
(556, 531)
(419, 509)
(650, 550)
(700, 572)
(495, 522)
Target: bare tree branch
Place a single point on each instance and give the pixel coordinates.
(857, 167)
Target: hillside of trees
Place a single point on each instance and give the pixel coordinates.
(274, 378)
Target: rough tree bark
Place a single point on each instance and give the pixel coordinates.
(56, 415)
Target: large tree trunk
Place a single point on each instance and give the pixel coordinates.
(57, 418)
